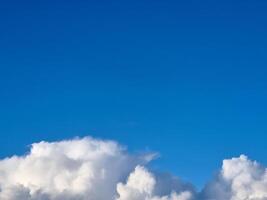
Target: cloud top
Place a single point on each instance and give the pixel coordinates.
(93, 169)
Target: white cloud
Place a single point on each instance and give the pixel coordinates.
(80, 169)
(141, 186)
(239, 179)
(91, 169)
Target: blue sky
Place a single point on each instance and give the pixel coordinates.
(184, 78)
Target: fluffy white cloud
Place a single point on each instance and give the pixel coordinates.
(91, 169)
(141, 186)
(239, 179)
(76, 169)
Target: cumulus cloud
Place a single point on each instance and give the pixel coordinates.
(141, 186)
(76, 169)
(92, 169)
(239, 179)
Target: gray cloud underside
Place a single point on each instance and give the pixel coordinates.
(91, 169)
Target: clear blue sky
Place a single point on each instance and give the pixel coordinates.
(185, 78)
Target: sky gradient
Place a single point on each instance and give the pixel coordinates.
(186, 79)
